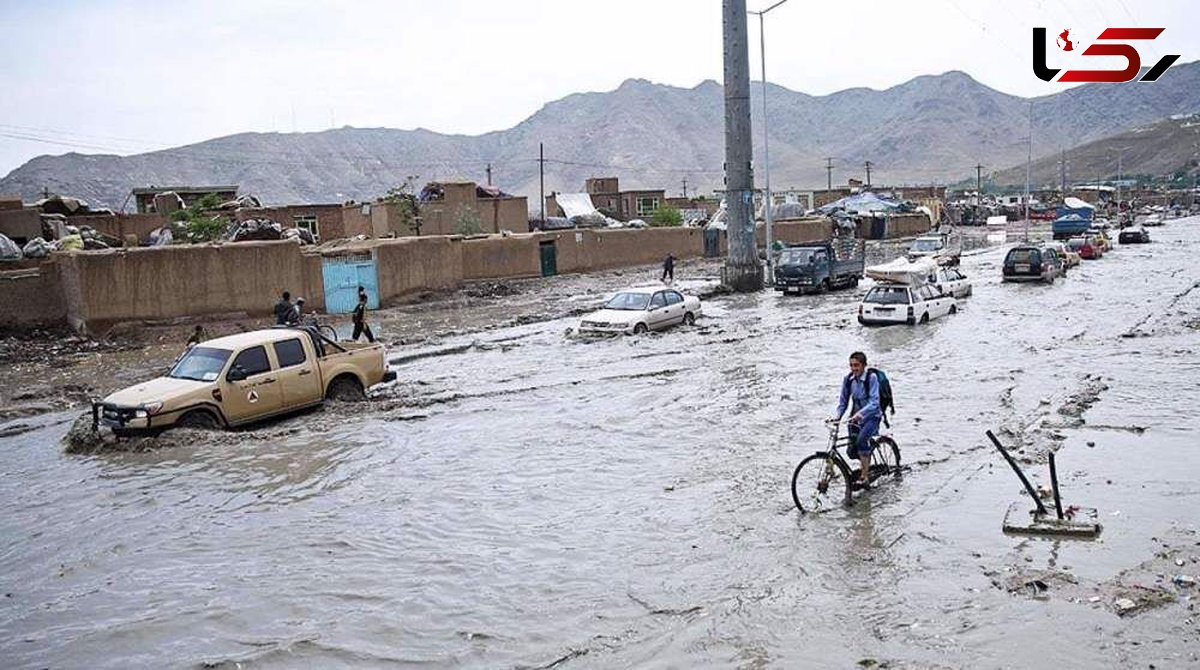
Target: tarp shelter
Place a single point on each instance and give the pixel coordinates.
(903, 271)
(1077, 207)
(575, 204)
(861, 203)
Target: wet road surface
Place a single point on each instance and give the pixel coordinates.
(524, 499)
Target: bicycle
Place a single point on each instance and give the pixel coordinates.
(825, 476)
(312, 321)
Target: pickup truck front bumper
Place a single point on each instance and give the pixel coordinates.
(121, 420)
(796, 284)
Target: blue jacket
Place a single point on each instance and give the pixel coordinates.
(864, 404)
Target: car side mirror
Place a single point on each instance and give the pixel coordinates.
(236, 374)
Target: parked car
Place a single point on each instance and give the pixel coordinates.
(939, 246)
(888, 303)
(820, 267)
(238, 379)
(1153, 220)
(1086, 247)
(638, 310)
(951, 282)
(1027, 262)
(1100, 239)
(1069, 258)
(1134, 235)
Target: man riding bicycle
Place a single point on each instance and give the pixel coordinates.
(861, 389)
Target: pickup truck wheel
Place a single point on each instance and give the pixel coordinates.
(639, 329)
(954, 309)
(345, 389)
(824, 288)
(689, 319)
(199, 419)
(924, 318)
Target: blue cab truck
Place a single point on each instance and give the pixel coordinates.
(817, 267)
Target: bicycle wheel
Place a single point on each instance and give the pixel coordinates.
(328, 332)
(820, 482)
(885, 458)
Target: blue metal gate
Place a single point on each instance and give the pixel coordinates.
(342, 276)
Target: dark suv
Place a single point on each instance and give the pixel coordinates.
(1134, 235)
(1028, 262)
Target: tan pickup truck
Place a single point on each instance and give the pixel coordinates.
(234, 380)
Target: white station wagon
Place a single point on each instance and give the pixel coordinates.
(900, 303)
(952, 282)
(637, 310)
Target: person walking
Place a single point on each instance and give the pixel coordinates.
(359, 317)
(284, 309)
(668, 269)
(297, 316)
(860, 389)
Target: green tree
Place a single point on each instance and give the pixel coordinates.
(666, 217)
(467, 222)
(194, 224)
(406, 204)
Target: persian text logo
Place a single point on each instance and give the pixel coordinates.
(1110, 43)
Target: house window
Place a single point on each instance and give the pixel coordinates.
(646, 206)
(308, 222)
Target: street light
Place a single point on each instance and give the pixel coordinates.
(762, 45)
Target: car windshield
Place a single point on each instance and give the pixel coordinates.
(1024, 256)
(629, 301)
(887, 295)
(923, 244)
(202, 364)
(796, 256)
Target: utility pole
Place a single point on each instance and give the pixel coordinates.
(828, 174)
(762, 45)
(978, 180)
(1120, 157)
(1028, 167)
(868, 164)
(742, 271)
(1062, 167)
(489, 173)
(542, 181)
(685, 187)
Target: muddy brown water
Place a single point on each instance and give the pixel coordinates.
(524, 499)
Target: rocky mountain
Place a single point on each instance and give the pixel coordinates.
(932, 128)
(1164, 148)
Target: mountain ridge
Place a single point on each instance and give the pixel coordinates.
(931, 128)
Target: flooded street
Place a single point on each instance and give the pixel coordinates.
(526, 499)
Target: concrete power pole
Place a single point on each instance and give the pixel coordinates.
(742, 270)
(978, 180)
(542, 181)
(868, 166)
(828, 174)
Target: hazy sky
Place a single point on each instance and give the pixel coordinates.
(128, 77)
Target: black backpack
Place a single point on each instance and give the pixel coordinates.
(886, 400)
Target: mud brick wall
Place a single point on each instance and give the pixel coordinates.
(908, 225)
(161, 283)
(502, 257)
(120, 225)
(411, 264)
(797, 232)
(31, 297)
(21, 224)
